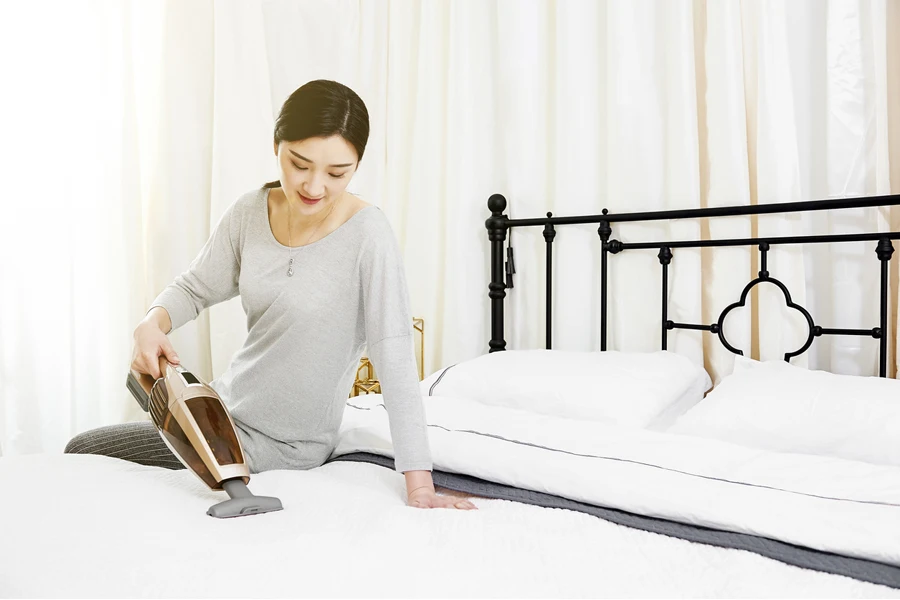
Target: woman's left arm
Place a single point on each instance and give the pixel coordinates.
(388, 324)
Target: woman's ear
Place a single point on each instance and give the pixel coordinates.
(276, 148)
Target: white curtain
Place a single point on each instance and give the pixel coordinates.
(132, 125)
(77, 82)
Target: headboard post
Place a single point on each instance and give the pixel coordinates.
(884, 250)
(665, 258)
(496, 225)
(549, 235)
(604, 231)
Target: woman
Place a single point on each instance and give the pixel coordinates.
(320, 277)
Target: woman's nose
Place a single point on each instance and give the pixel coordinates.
(315, 187)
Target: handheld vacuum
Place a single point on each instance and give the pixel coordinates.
(195, 425)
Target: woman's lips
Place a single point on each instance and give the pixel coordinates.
(309, 200)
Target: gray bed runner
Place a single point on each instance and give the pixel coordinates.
(863, 570)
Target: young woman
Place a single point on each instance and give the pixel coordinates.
(321, 279)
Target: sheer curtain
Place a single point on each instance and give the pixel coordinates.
(133, 125)
(77, 78)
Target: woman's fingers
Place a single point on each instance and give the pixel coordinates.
(454, 502)
(170, 353)
(151, 365)
(434, 501)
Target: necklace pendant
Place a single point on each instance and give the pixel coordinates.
(290, 271)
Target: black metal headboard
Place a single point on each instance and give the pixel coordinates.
(502, 272)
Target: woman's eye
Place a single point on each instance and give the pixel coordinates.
(334, 175)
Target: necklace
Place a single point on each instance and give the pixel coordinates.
(290, 271)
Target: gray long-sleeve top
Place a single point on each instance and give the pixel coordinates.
(287, 386)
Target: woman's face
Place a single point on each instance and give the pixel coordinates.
(315, 172)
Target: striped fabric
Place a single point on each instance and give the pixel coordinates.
(137, 442)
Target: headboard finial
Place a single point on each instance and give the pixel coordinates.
(497, 203)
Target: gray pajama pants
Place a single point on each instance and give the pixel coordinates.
(137, 442)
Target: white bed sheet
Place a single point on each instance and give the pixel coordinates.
(91, 526)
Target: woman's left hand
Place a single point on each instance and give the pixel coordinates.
(428, 499)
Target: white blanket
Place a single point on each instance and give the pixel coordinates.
(90, 526)
(836, 505)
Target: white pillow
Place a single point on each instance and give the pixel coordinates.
(777, 406)
(641, 389)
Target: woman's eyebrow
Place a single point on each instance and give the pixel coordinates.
(301, 157)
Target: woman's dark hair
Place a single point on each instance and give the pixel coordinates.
(323, 108)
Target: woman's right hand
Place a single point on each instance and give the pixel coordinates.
(150, 343)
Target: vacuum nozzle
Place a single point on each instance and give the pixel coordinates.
(243, 502)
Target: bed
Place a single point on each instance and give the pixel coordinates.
(643, 490)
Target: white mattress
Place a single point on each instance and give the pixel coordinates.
(90, 526)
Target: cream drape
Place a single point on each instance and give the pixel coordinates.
(134, 124)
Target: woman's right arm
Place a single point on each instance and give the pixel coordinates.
(211, 278)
